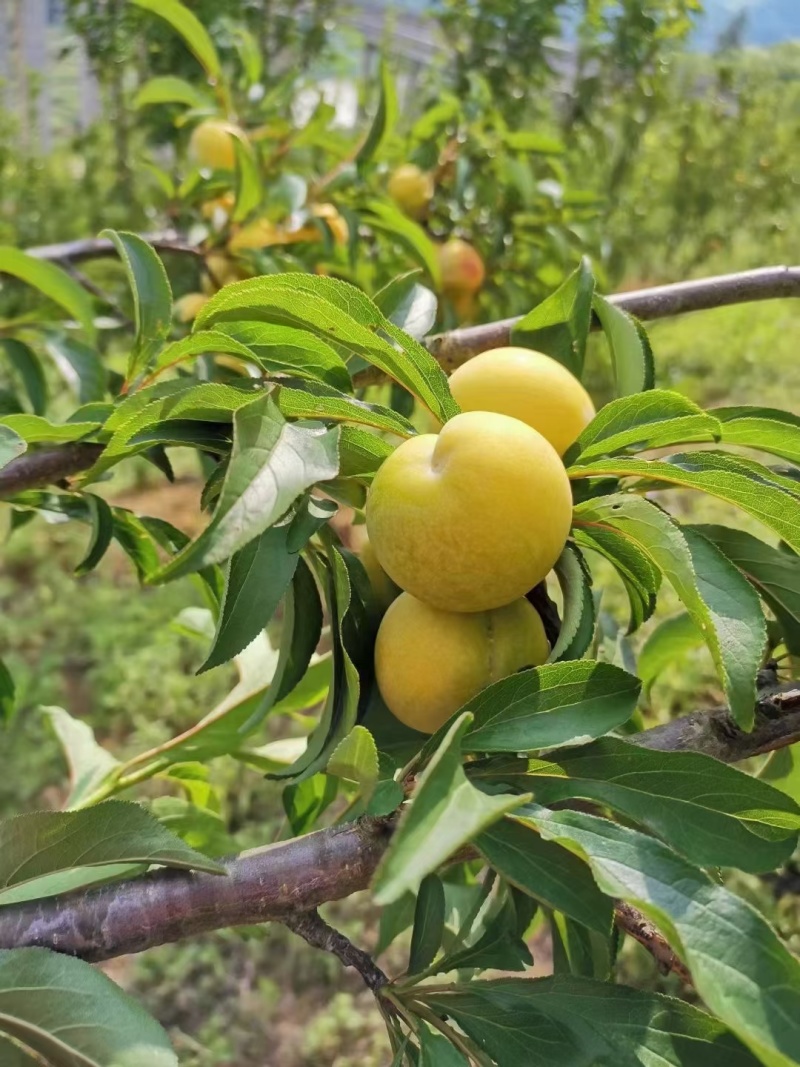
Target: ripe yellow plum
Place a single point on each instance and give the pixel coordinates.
(462, 267)
(471, 518)
(383, 588)
(187, 307)
(429, 663)
(526, 385)
(411, 189)
(211, 145)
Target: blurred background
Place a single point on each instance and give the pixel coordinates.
(659, 137)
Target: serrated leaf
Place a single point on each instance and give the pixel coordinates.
(51, 281)
(152, 296)
(361, 453)
(35, 429)
(288, 350)
(322, 402)
(578, 614)
(256, 579)
(248, 182)
(558, 704)
(748, 485)
(102, 521)
(408, 304)
(79, 365)
(385, 119)
(167, 89)
(341, 314)
(388, 219)
(548, 873)
(775, 574)
(197, 344)
(559, 326)
(653, 419)
(782, 771)
(666, 645)
(722, 603)
(135, 541)
(68, 1014)
(306, 801)
(574, 1021)
(437, 1051)
(446, 812)
(740, 968)
(355, 758)
(500, 946)
(115, 831)
(271, 464)
(638, 574)
(631, 354)
(713, 814)
(191, 29)
(766, 429)
(426, 936)
(26, 364)
(11, 445)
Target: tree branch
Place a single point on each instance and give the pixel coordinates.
(99, 247)
(32, 470)
(283, 881)
(313, 929)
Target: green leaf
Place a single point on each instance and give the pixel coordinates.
(385, 119)
(51, 281)
(112, 832)
(446, 813)
(501, 945)
(168, 89)
(782, 771)
(35, 429)
(8, 694)
(666, 645)
(638, 574)
(559, 326)
(740, 968)
(437, 1051)
(352, 652)
(152, 296)
(197, 344)
(102, 521)
(631, 354)
(355, 759)
(256, 579)
(775, 574)
(533, 141)
(578, 1021)
(26, 364)
(67, 1014)
(578, 614)
(248, 185)
(287, 350)
(722, 603)
(191, 29)
(89, 763)
(652, 419)
(341, 314)
(408, 304)
(748, 485)
(321, 402)
(545, 871)
(135, 541)
(307, 800)
(79, 366)
(713, 814)
(388, 219)
(310, 515)
(426, 936)
(559, 704)
(766, 429)
(361, 453)
(11, 445)
(271, 464)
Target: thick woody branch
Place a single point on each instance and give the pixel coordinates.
(284, 881)
(47, 466)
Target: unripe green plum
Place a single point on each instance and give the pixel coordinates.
(471, 518)
(529, 386)
(411, 189)
(429, 663)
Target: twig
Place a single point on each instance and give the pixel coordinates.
(632, 921)
(47, 466)
(312, 928)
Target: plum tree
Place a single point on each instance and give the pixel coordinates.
(428, 663)
(472, 518)
(526, 385)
